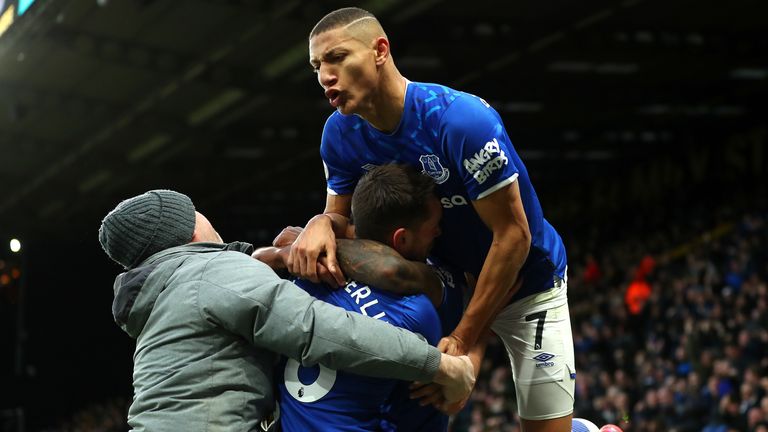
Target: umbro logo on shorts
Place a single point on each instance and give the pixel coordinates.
(544, 357)
(543, 360)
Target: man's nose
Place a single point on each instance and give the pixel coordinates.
(327, 77)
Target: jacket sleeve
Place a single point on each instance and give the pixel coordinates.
(246, 297)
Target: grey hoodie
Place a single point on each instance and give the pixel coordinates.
(209, 323)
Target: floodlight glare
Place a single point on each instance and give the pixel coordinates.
(15, 245)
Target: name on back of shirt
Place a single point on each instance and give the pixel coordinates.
(360, 294)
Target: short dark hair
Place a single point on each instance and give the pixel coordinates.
(389, 197)
(339, 18)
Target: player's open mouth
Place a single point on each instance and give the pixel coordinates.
(334, 97)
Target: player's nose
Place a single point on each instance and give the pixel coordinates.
(326, 77)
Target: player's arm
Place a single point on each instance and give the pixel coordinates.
(250, 300)
(275, 257)
(338, 208)
(376, 264)
(502, 212)
(432, 393)
(365, 261)
(319, 239)
(476, 355)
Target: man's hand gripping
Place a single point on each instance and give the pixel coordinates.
(313, 253)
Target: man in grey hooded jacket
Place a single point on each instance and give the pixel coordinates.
(209, 322)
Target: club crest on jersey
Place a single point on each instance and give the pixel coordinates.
(432, 167)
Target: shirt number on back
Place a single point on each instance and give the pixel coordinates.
(308, 392)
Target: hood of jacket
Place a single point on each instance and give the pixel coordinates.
(137, 289)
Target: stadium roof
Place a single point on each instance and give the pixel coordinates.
(103, 99)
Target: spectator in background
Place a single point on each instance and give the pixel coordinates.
(699, 360)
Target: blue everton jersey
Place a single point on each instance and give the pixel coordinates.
(400, 412)
(456, 294)
(318, 398)
(460, 141)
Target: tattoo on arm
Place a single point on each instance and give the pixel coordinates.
(376, 264)
(368, 261)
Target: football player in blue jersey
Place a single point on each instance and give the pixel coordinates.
(493, 222)
(393, 205)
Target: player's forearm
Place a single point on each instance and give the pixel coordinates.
(340, 225)
(477, 352)
(275, 257)
(500, 270)
(373, 263)
(369, 262)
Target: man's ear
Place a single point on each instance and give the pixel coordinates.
(399, 239)
(382, 50)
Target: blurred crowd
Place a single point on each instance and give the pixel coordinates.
(690, 353)
(670, 334)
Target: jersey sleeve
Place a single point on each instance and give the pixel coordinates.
(339, 180)
(477, 145)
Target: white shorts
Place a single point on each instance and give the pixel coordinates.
(536, 331)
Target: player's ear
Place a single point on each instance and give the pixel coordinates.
(382, 50)
(399, 239)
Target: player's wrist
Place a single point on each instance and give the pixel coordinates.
(464, 340)
(321, 219)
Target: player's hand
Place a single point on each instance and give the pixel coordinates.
(452, 408)
(287, 236)
(457, 377)
(316, 239)
(433, 394)
(325, 275)
(427, 393)
(452, 345)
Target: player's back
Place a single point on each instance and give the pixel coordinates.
(318, 398)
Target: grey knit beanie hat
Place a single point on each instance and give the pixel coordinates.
(146, 224)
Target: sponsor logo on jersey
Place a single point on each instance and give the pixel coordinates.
(543, 360)
(456, 200)
(369, 167)
(432, 167)
(486, 161)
